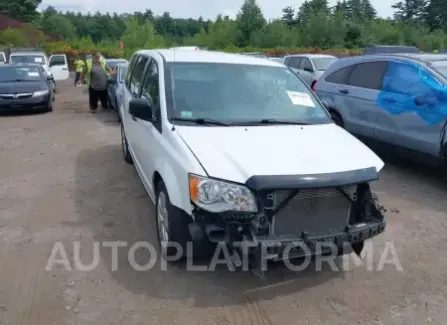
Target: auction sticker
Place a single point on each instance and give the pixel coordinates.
(38, 60)
(302, 99)
(33, 74)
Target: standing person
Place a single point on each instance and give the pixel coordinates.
(96, 74)
(79, 64)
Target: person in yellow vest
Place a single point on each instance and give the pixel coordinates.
(79, 65)
(96, 74)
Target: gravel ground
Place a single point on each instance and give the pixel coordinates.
(63, 180)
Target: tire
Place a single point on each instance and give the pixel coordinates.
(337, 119)
(50, 106)
(172, 224)
(125, 147)
(53, 84)
(118, 114)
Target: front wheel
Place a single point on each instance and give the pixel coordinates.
(126, 152)
(172, 225)
(53, 85)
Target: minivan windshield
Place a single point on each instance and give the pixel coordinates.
(242, 94)
(29, 58)
(12, 74)
(322, 64)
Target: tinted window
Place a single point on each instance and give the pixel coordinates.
(340, 76)
(2, 57)
(9, 74)
(57, 60)
(137, 75)
(242, 93)
(151, 88)
(129, 70)
(295, 63)
(368, 75)
(306, 65)
(322, 64)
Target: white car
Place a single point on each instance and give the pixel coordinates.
(56, 66)
(233, 148)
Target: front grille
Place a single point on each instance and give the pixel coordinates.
(318, 212)
(16, 96)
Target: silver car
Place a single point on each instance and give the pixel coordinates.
(310, 67)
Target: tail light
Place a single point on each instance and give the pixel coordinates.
(314, 86)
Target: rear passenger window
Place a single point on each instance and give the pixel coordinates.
(340, 76)
(368, 75)
(295, 63)
(136, 77)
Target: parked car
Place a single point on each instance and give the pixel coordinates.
(310, 67)
(115, 89)
(25, 88)
(209, 134)
(400, 105)
(112, 63)
(2, 57)
(56, 66)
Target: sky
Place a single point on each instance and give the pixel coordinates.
(208, 9)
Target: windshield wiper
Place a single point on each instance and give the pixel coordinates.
(271, 121)
(201, 121)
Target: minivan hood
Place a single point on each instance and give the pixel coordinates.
(237, 153)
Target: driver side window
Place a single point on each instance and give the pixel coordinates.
(151, 89)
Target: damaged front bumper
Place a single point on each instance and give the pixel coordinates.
(296, 222)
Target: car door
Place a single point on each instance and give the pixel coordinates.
(132, 125)
(306, 71)
(400, 118)
(151, 147)
(356, 96)
(58, 65)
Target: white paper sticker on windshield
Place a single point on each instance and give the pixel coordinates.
(38, 60)
(302, 99)
(33, 74)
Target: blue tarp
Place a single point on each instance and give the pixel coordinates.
(415, 84)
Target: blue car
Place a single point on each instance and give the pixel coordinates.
(391, 101)
(115, 89)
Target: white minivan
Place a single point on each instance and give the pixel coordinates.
(236, 149)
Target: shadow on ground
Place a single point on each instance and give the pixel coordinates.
(111, 201)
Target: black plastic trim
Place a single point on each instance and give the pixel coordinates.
(287, 182)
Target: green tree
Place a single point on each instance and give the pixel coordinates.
(250, 21)
(22, 10)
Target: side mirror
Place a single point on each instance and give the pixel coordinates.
(141, 108)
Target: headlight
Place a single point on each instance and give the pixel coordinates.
(40, 93)
(219, 196)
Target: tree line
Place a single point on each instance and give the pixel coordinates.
(348, 24)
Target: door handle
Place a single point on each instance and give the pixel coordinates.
(343, 91)
(134, 118)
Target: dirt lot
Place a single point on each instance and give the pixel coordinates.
(63, 179)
